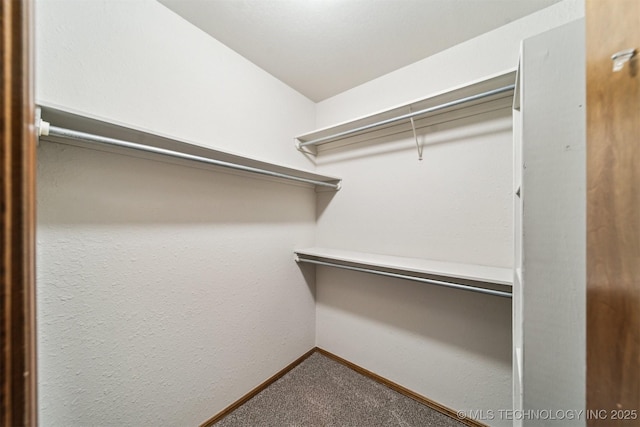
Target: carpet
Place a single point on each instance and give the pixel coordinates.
(322, 392)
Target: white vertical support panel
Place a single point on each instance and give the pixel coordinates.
(517, 246)
(554, 223)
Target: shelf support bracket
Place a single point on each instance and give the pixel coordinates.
(415, 136)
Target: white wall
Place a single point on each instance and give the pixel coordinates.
(135, 61)
(455, 205)
(164, 293)
(487, 54)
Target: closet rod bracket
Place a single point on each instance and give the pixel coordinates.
(42, 127)
(312, 150)
(415, 136)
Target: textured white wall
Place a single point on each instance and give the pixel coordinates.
(455, 205)
(135, 61)
(487, 54)
(164, 292)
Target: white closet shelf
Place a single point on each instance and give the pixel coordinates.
(74, 128)
(482, 96)
(479, 278)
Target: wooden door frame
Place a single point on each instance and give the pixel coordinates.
(613, 214)
(18, 169)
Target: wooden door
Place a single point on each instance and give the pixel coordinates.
(17, 166)
(613, 215)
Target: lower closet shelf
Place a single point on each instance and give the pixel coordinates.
(469, 277)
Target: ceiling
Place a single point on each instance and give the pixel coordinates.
(324, 47)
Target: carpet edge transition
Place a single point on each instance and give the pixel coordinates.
(362, 371)
(444, 410)
(244, 399)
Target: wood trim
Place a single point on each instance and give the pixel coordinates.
(17, 198)
(402, 390)
(362, 371)
(613, 213)
(244, 399)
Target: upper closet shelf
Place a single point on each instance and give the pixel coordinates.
(478, 278)
(488, 94)
(60, 125)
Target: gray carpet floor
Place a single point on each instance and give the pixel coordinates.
(323, 392)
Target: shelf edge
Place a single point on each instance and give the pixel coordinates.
(385, 262)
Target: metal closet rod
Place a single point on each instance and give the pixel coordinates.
(49, 130)
(409, 116)
(414, 278)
